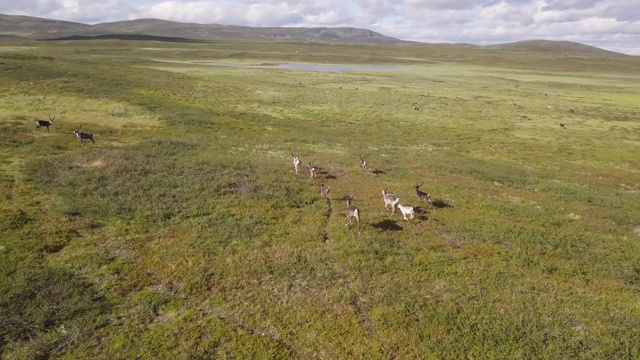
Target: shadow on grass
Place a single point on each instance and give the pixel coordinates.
(379, 172)
(324, 174)
(387, 225)
(420, 210)
(137, 37)
(440, 204)
(421, 213)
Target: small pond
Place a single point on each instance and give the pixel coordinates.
(319, 67)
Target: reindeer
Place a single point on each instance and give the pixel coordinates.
(296, 162)
(83, 135)
(45, 123)
(406, 210)
(363, 163)
(390, 199)
(313, 170)
(352, 212)
(324, 191)
(423, 196)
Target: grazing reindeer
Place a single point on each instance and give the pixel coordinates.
(83, 135)
(45, 123)
(406, 210)
(352, 212)
(390, 199)
(363, 163)
(296, 162)
(562, 126)
(313, 170)
(423, 196)
(324, 191)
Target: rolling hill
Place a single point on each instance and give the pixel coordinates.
(45, 29)
(555, 46)
(26, 27)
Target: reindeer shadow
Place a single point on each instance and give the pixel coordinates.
(440, 204)
(420, 210)
(328, 176)
(388, 225)
(421, 213)
(324, 174)
(378, 172)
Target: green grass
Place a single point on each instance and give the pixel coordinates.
(184, 232)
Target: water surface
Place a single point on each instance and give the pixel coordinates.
(319, 67)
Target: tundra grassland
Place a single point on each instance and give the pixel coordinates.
(183, 232)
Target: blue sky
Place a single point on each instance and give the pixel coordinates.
(609, 24)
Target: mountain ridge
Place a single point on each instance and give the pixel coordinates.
(19, 26)
(47, 29)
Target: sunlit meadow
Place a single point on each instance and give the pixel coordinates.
(184, 231)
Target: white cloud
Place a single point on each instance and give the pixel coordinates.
(442, 4)
(504, 12)
(285, 13)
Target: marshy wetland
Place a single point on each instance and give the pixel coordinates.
(184, 231)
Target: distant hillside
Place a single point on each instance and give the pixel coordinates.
(37, 28)
(14, 27)
(45, 29)
(214, 31)
(555, 46)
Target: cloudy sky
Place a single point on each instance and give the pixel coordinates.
(608, 24)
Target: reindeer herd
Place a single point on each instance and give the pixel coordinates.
(391, 201)
(79, 134)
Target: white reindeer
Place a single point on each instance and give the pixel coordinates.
(296, 162)
(406, 210)
(390, 199)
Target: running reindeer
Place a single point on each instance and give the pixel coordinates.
(45, 123)
(423, 196)
(363, 163)
(313, 170)
(83, 135)
(296, 161)
(324, 191)
(390, 199)
(406, 210)
(352, 212)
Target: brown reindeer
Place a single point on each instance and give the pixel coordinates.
(45, 123)
(352, 212)
(423, 196)
(313, 170)
(83, 135)
(363, 163)
(324, 191)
